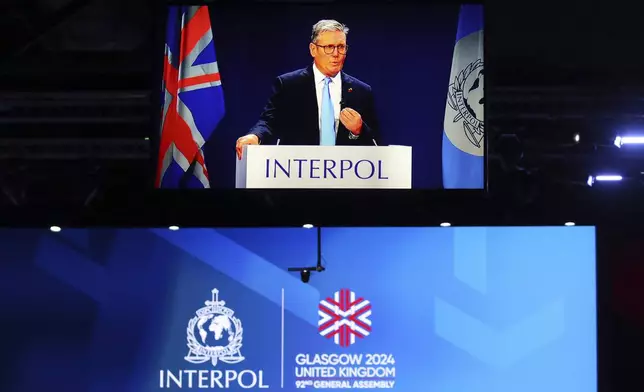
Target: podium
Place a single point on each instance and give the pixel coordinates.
(324, 167)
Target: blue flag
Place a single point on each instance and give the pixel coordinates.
(463, 137)
(192, 98)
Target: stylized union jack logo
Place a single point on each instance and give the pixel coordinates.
(344, 317)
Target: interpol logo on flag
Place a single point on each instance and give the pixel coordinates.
(344, 317)
(463, 137)
(192, 98)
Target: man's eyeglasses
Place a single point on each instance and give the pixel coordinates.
(329, 49)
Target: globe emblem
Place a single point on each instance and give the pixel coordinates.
(215, 330)
(466, 98)
(214, 334)
(473, 94)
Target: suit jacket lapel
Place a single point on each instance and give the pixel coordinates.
(311, 104)
(346, 91)
(345, 102)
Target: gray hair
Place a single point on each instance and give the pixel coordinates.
(327, 25)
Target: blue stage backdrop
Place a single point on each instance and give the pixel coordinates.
(402, 309)
(403, 51)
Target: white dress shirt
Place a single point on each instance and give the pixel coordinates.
(335, 89)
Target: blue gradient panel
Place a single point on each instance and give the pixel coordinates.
(452, 309)
(470, 257)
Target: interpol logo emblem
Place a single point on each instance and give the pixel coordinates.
(344, 317)
(222, 327)
(466, 98)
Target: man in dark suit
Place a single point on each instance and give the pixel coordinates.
(320, 104)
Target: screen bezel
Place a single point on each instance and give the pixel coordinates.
(336, 197)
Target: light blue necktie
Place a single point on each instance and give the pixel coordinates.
(327, 129)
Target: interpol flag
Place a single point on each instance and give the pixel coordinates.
(192, 98)
(463, 137)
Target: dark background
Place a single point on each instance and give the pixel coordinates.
(620, 270)
(404, 51)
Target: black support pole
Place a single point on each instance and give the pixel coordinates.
(319, 265)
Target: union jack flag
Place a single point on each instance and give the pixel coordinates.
(344, 318)
(192, 98)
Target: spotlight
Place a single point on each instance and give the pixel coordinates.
(55, 229)
(603, 178)
(305, 272)
(608, 177)
(569, 224)
(307, 226)
(173, 228)
(576, 138)
(446, 224)
(621, 140)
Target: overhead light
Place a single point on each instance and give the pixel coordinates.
(307, 226)
(608, 177)
(55, 229)
(174, 228)
(604, 177)
(446, 224)
(576, 138)
(569, 224)
(146, 138)
(621, 140)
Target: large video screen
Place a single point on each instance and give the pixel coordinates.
(399, 309)
(322, 96)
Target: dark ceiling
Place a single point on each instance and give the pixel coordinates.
(77, 44)
(598, 40)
